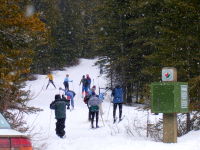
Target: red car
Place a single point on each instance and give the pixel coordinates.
(11, 139)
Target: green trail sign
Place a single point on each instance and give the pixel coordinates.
(169, 97)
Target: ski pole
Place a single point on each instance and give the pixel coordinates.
(79, 91)
(73, 85)
(108, 110)
(93, 82)
(102, 119)
(49, 124)
(39, 92)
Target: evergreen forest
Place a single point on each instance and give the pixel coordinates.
(133, 39)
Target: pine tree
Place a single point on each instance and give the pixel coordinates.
(137, 38)
(60, 48)
(177, 44)
(17, 32)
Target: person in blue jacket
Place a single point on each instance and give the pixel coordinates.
(69, 96)
(66, 81)
(117, 93)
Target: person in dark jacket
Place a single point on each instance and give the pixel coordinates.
(85, 84)
(117, 93)
(59, 105)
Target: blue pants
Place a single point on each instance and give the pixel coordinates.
(85, 88)
(72, 102)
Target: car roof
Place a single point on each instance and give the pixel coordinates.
(11, 133)
(6, 131)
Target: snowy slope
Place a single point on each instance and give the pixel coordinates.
(79, 134)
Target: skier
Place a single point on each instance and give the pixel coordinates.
(117, 93)
(93, 104)
(66, 81)
(59, 105)
(86, 99)
(50, 76)
(84, 86)
(69, 96)
(88, 80)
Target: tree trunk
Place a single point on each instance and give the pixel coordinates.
(137, 92)
(129, 93)
(188, 122)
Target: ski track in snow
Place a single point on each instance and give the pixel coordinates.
(79, 135)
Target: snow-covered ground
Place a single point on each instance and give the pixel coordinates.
(79, 135)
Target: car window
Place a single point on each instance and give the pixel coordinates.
(3, 123)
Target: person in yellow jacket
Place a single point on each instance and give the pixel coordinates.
(50, 76)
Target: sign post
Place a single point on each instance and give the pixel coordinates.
(169, 97)
(169, 119)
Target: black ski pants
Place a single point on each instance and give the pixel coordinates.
(60, 126)
(115, 108)
(66, 84)
(93, 114)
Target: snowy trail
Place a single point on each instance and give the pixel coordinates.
(79, 134)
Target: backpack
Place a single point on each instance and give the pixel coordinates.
(88, 80)
(85, 82)
(86, 99)
(118, 93)
(94, 108)
(68, 97)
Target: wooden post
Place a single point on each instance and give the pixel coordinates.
(169, 74)
(170, 128)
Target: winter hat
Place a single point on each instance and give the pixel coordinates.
(57, 96)
(117, 86)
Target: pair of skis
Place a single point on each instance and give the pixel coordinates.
(118, 121)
